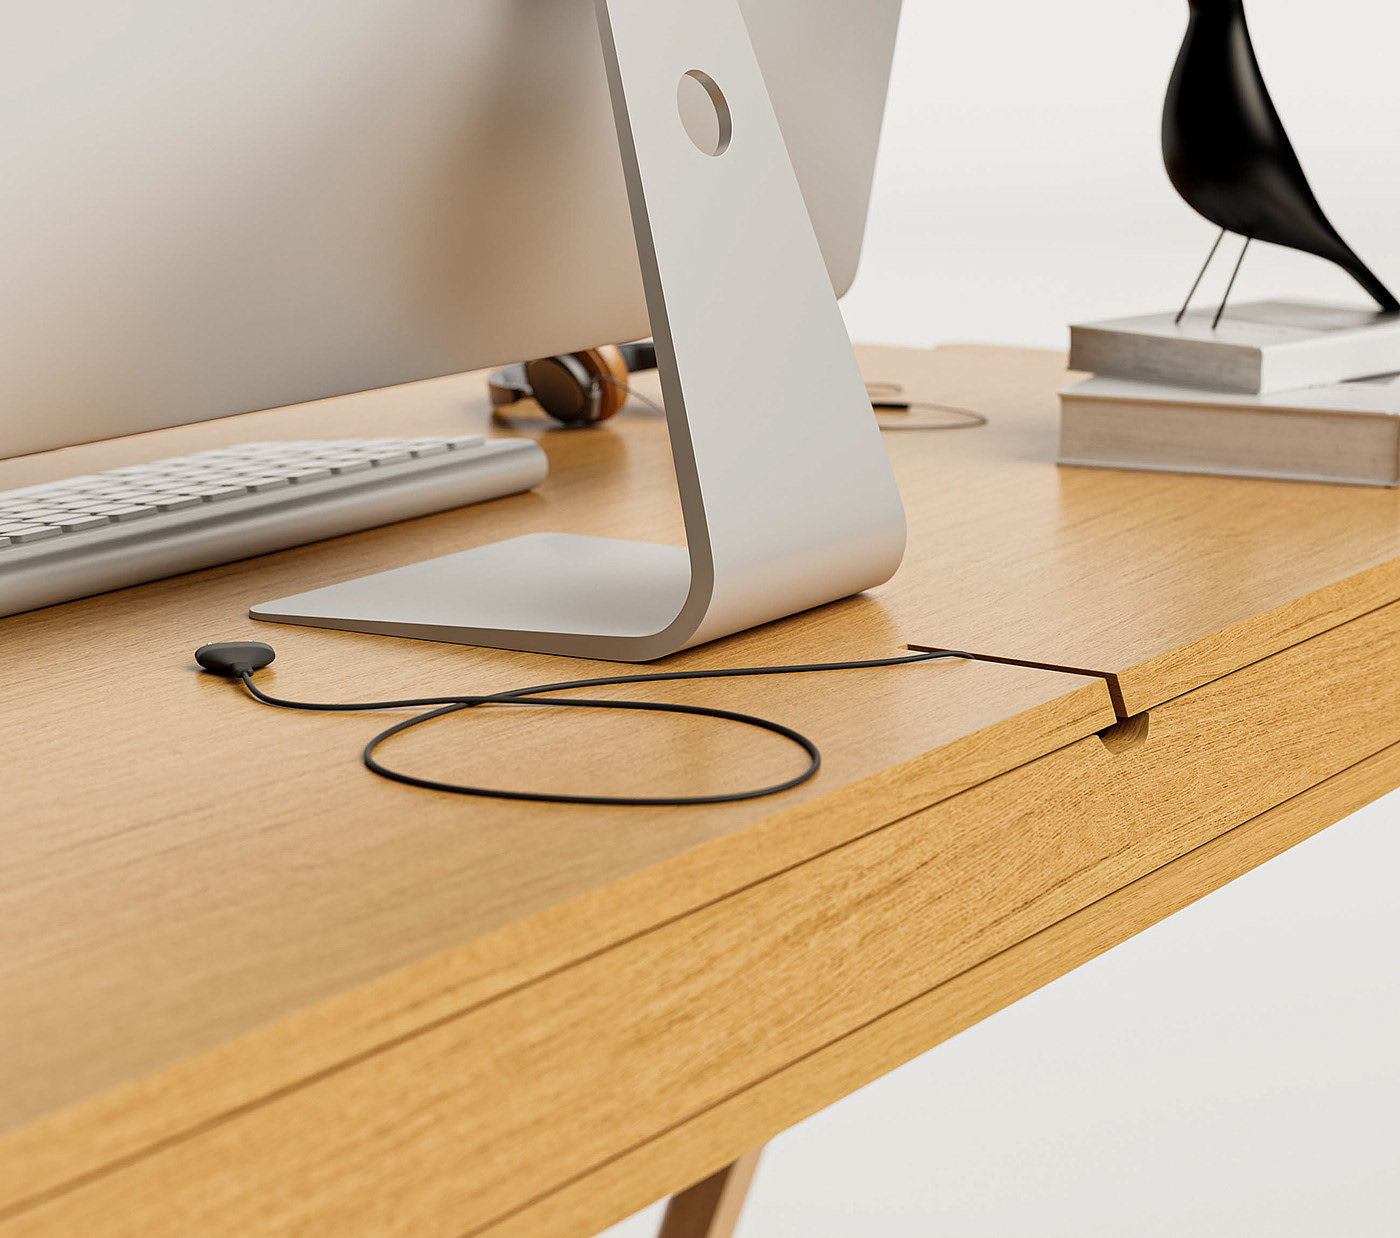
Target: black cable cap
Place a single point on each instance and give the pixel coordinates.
(234, 658)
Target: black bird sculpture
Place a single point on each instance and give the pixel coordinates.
(1229, 157)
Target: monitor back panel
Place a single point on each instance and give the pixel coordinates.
(211, 208)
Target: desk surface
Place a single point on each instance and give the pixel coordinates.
(192, 940)
(1159, 581)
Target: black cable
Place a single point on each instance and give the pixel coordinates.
(889, 402)
(443, 705)
(968, 418)
(814, 758)
(634, 394)
(887, 397)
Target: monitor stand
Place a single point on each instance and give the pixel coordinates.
(786, 491)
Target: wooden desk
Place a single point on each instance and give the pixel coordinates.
(250, 989)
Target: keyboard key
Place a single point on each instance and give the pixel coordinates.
(144, 497)
(33, 533)
(80, 524)
(132, 511)
(18, 511)
(55, 516)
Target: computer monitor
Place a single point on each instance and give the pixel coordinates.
(211, 209)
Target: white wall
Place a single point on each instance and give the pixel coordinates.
(1232, 1071)
(1021, 186)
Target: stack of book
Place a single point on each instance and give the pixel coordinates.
(1278, 389)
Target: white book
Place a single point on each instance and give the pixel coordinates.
(1339, 432)
(1259, 347)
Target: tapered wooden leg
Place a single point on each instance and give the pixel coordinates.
(710, 1209)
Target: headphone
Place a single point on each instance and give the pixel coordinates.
(584, 388)
(577, 388)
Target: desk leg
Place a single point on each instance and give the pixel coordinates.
(710, 1209)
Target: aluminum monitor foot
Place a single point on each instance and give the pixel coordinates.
(544, 593)
(786, 490)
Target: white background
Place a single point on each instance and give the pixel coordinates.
(1232, 1071)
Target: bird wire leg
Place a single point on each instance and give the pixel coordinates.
(1200, 276)
(1215, 322)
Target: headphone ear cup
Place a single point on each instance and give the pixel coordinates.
(610, 373)
(577, 389)
(565, 388)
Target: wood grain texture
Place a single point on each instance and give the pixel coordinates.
(315, 1000)
(711, 1208)
(1163, 581)
(630, 1182)
(477, 1117)
(225, 913)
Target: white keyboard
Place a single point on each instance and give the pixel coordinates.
(84, 535)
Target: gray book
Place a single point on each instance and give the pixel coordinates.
(1263, 346)
(1340, 432)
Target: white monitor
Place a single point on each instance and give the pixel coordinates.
(209, 208)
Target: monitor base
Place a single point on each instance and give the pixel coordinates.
(590, 597)
(786, 491)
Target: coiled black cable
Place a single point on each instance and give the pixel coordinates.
(441, 706)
